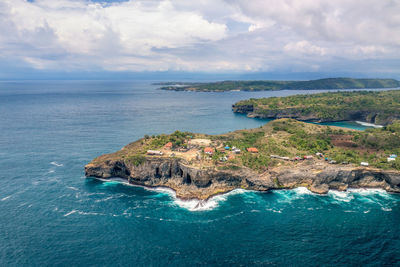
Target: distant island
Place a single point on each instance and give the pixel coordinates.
(282, 154)
(380, 108)
(322, 84)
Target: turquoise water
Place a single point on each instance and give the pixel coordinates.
(51, 215)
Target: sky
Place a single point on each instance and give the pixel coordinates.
(219, 38)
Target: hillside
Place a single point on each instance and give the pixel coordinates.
(374, 107)
(329, 83)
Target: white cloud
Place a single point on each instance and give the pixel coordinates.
(205, 35)
(304, 47)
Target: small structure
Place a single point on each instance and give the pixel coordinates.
(296, 158)
(209, 150)
(308, 157)
(393, 156)
(252, 150)
(227, 148)
(168, 145)
(332, 162)
(365, 164)
(279, 157)
(318, 154)
(223, 159)
(389, 159)
(154, 153)
(236, 151)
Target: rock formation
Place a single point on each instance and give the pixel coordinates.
(190, 182)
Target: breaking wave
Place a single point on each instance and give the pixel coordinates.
(367, 196)
(369, 124)
(210, 204)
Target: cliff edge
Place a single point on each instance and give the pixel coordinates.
(280, 155)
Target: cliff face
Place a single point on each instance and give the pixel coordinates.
(370, 116)
(190, 182)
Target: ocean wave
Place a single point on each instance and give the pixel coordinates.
(369, 124)
(203, 205)
(72, 188)
(55, 163)
(341, 196)
(81, 213)
(370, 195)
(5, 198)
(288, 195)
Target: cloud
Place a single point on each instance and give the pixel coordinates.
(205, 35)
(304, 47)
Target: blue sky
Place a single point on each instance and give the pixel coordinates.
(214, 39)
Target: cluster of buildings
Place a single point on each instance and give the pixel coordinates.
(208, 149)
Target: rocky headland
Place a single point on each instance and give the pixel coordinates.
(381, 108)
(188, 168)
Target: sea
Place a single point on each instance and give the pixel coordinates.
(51, 215)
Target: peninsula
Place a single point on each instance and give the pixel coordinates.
(380, 108)
(321, 84)
(284, 153)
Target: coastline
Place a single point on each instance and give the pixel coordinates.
(319, 178)
(212, 202)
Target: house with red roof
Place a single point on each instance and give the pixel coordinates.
(209, 150)
(252, 150)
(168, 145)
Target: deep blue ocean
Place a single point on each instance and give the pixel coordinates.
(50, 215)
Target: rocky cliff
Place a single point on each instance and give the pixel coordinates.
(201, 183)
(370, 116)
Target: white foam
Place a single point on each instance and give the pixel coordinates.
(369, 191)
(5, 198)
(73, 188)
(69, 213)
(82, 213)
(369, 124)
(56, 164)
(344, 196)
(202, 205)
(302, 191)
(192, 205)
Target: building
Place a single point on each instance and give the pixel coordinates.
(168, 145)
(154, 153)
(252, 150)
(390, 159)
(236, 150)
(209, 150)
(308, 157)
(365, 164)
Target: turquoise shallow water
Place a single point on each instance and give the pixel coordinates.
(51, 215)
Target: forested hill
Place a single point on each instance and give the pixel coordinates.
(375, 107)
(329, 83)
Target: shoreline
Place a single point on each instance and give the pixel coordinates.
(212, 201)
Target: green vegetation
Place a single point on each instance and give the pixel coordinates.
(284, 137)
(329, 83)
(377, 107)
(177, 139)
(136, 159)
